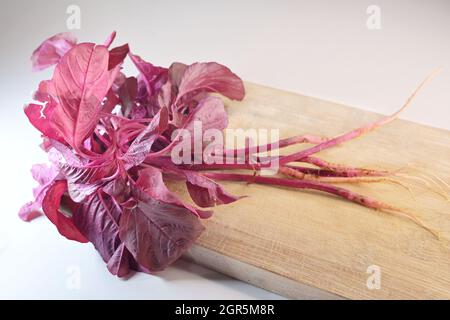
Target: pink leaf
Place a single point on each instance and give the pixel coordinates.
(157, 233)
(51, 205)
(211, 113)
(127, 94)
(83, 178)
(206, 192)
(81, 80)
(112, 100)
(110, 39)
(117, 55)
(44, 175)
(165, 96)
(142, 145)
(46, 92)
(211, 77)
(176, 72)
(153, 76)
(119, 263)
(40, 117)
(151, 181)
(51, 50)
(98, 219)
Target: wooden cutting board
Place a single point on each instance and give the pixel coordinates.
(305, 244)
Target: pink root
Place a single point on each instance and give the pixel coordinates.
(319, 186)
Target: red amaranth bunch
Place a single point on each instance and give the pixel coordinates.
(109, 138)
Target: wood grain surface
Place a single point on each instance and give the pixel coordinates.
(305, 244)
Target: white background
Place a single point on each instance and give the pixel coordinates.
(322, 48)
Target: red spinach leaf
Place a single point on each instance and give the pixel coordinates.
(82, 80)
(51, 207)
(151, 181)
(157, 233)
(117, 55)
(211, 77)
(44, 175)
(51, 50)
(143, 143)
(98, 220)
